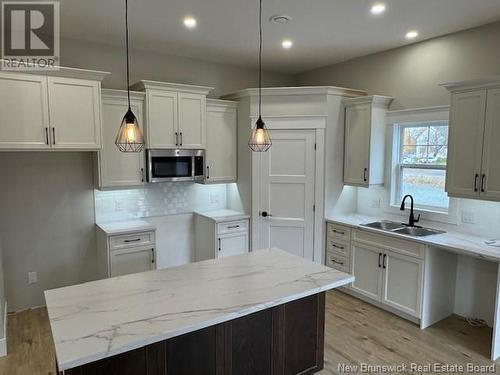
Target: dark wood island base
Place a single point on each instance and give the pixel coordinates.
(282, 340)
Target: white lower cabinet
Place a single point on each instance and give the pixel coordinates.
(232, 244)
(366, 268)
(131, 260)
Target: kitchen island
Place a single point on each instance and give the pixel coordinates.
(256, 313)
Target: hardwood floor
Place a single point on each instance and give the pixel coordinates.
(356, 333)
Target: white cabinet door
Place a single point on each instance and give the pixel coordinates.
(465, 144)
(131, 260)
(191, 120)
(119, 168)
(357, 145)
(402, 282)
(161, 120)
(366, 268)
(232, 244)
(75, 113)
(221, 154)
(24, 115)
(490, 176)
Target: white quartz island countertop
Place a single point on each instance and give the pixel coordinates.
(102, 318)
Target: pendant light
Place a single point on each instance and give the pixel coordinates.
(260, 141)
(129, 138)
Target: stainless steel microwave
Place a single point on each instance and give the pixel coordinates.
(175, 165)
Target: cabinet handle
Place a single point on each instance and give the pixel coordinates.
(53, 135)
(334, 261)
(384, 263)
(219, 245)
(142, 174)
(47, 136)
(233, 226)
(338, 231)
(364, 174)
(379, 256)
(476, 176)
(181, 137)
(208, 172)
(153, 255)
(176, 139)
(483, 180)
(134, 240)
(338, 247)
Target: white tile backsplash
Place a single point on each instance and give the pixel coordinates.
(157, 200)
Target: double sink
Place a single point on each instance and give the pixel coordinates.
(390, 226)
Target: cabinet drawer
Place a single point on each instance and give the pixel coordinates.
(337, 246)
(232, 226)
(338, 231)
(390, 243)
(337, 261)
(131, 240)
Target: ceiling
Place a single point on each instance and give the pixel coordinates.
(323, 31)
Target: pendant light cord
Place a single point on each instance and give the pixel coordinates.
(126, 42)
(260, 57)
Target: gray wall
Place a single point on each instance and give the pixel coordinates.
(2, 294)
(412, 74)
(46, 222)
(147, 65)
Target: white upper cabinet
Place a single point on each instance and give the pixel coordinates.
(364, 139)
(60, 111)
(473, 152)
(221, 152)
(116, 168)
(175, 114)
(75, 113)
(24, 111)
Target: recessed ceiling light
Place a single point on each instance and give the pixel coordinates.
(280, 19)
(190, 22)
(378, 8)
(287, 43)
(412, 34)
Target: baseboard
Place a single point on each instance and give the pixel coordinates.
(3, 340)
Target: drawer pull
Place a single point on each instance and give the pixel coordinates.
(233, 226)
(379, 256)
(153, 255)
(337, 262)
(338, 247)
(219, 245)
(134, 240)
(384, 265)
(338, 231)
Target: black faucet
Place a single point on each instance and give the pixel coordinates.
(412, 220)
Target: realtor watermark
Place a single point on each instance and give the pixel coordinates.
(30, 35)
(416, 368)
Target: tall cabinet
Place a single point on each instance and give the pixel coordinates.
(474, 135)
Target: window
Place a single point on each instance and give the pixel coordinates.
(421, 164)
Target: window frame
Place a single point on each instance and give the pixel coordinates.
(398, 144)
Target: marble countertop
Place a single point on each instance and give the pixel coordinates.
(460, 242)
(220, 216)
(102, 318)
(125, 227)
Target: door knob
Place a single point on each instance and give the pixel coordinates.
(264, 214)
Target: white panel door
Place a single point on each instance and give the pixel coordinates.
(232, 244)
(357, 145)
(75, 113)
(465, 143)
(162, 122)
(402, 282)
(192, 120)
(24, 111)
(367, 270)
(490, 176)
(131, 260)
(221, 154)
(119, 168)
(287, 192)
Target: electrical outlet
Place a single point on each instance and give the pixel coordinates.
(214, 198)
(118, 206)
(32, 277)
(375, 203)
(468, 217)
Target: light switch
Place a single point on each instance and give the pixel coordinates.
(32, 277)
(468, 217)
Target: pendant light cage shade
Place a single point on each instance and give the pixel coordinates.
(259, 140)
(129, 138)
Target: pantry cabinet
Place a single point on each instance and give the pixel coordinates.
(40, 112)
(115, 168)
(364, 139)
(175, 114)
(474, 135)
(221, 151)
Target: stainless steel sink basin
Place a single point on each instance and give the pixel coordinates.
(384, 225)
(390, 226)
(418, 232)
